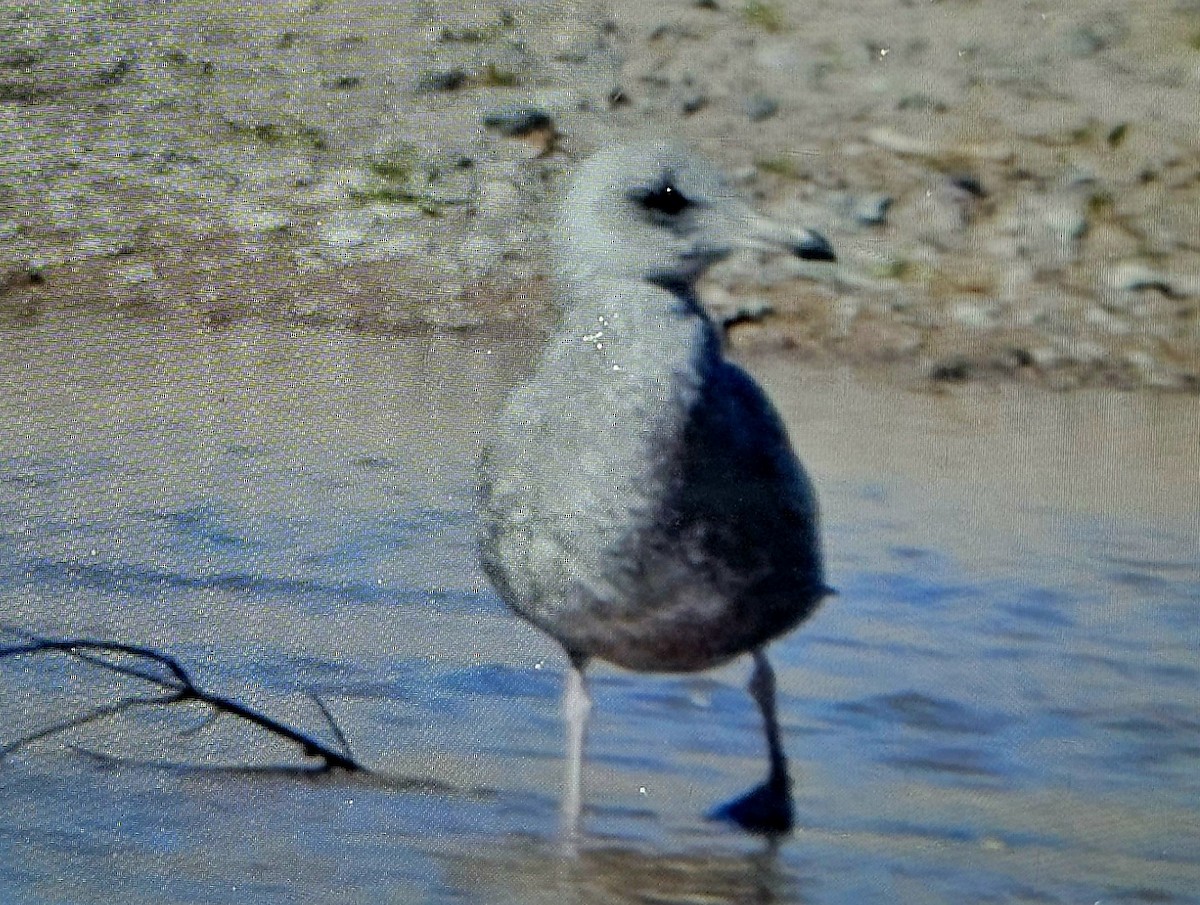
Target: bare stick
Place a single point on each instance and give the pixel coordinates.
(180, 687)
(332, 724)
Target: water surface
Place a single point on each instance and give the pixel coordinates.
(1000, 705)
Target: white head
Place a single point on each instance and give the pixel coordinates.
(654, 211)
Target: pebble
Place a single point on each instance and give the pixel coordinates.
(875, 339)
(245, 218)
(1045, 357)
(1057, 222)
(970, 314)
(760, 107)
(872, 210)
(517, 121)
(1151, 370)
(346, 229)
(891, 140)
(137, 274)
(1084, 42)
(692, 102)
(727, 309)
(1136, 277)
(336, 186)
(1048, 228)
(441, 80)
(952, 369)
(845, 310)
(104, 246)
(942, 210)
(749, 311)
(346, 82)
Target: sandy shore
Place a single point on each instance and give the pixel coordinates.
(1012, 187)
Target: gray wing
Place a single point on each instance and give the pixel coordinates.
(743, 492)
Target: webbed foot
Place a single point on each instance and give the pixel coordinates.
(765, 809)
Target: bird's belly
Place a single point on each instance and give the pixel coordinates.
(671, 619)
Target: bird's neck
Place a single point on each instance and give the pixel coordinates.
(637, 327)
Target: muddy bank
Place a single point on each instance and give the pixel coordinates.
(1012, 188)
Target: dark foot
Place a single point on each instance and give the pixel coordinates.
(765, 809)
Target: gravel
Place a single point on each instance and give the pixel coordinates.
(996, 177)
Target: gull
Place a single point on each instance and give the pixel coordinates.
(640, 499)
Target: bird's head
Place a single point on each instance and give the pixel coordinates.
(656, 212)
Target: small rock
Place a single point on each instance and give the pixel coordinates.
(972, 315)
(115, 72)
(845, 310)
(617, 97)
(898, 143)
(342, 82)
(872, 210)
(244, 218)
(727, 309)
(944, 209)
(1152, 371)
(36, 267)
(954, 369)
(32, 274)
(748, 312)
(1068, 221)
(336, 186)
(138, 274)
(760, 107)
(1045, 357)
(1082, 351)
(743, 175)
(517, 121)
(1135, 277)
(103, 247)
(441, 80)
(1084, 41)
(921, 102)
(969, 184)
(693, 102)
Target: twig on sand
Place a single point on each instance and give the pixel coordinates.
(164, 672)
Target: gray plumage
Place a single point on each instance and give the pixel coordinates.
(641, 501)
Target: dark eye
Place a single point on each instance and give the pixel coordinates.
(665, 199)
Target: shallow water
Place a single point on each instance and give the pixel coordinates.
(1000, 705)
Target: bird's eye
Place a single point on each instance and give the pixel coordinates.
(664, 199)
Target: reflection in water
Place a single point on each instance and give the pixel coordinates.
(1000, 705)
(530, 871)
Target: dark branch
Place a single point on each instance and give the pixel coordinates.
(333, 725)
(180, 687)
